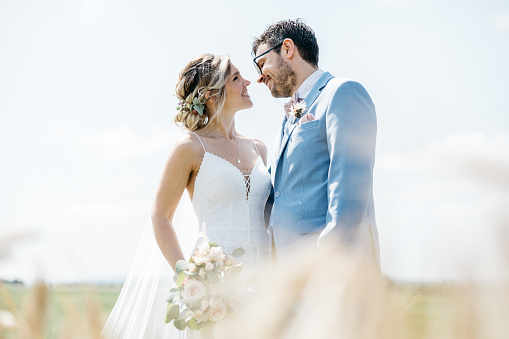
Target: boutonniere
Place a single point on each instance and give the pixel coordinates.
(298, 109)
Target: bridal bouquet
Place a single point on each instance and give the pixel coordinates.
(206, 288)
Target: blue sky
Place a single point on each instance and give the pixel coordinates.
(87, 105)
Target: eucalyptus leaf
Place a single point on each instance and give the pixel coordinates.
(181, 278)
(196, 101)
(181, 266)
(180, 324)
(193, 324)
(173, 297)
(238, 252)
(172, 312)
(199, 109)
(206, 331)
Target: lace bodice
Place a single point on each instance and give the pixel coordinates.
(230, 206)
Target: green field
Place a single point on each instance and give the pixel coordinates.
(64, 305)
(422, 311)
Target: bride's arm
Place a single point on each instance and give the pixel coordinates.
(180, 164)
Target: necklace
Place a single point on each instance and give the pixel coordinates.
(238, 155)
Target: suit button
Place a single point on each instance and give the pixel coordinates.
(277, 194)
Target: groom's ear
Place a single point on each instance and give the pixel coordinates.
(288, 49)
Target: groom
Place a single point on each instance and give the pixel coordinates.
(322, 170)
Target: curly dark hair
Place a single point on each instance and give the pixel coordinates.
(301, 34)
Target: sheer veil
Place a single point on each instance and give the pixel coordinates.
(140, 309)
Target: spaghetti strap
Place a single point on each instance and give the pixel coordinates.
(256, 148)
(204, 150)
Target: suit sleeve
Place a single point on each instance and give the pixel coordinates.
(351, 137)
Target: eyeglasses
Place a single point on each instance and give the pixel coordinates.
(258, 68)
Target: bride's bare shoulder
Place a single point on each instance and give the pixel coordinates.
(187, 146)
(262, 148)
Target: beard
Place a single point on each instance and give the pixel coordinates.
(284, 81)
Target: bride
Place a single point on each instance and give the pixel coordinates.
(226, 179)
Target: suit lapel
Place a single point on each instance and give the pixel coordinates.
(310, 99)
(277, 144)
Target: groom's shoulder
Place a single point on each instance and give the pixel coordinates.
(344, 86)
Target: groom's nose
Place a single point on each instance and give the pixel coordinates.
(261, 78)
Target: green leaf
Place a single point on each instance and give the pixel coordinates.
(172, 312)
(238, 252)
(181, 265)
(206, 331)
(180, 279)
(193, 324)
(196, 101)
(180, 324)
(199, 109)
(178, 108)
(173, 297)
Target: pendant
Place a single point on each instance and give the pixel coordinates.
(238, 161)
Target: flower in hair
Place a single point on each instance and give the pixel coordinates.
(194, 107)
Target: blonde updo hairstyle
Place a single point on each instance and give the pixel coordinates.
(203, 74)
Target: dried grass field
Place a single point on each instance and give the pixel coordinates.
(415, 311)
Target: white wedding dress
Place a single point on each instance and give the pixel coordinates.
(229, 207)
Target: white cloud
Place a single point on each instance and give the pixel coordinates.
(91, 6)
(502, 20)
(440, 207)
(95, 210)
(450, 154)
(59, 134)
(123, 142)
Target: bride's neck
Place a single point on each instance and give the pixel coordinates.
(222, 127)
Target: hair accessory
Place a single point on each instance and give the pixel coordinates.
(194, 107)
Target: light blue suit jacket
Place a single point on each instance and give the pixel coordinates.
(322, 171)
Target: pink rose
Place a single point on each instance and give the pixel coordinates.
(194, 290)
(218, 312)
(230, 260)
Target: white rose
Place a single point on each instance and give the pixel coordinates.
(214, 302)
(204, 305)
(218, 313)
(194, 290)
(191, 267)
(200, 316)
(209, 266)
(217, 254)
(202, 272)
